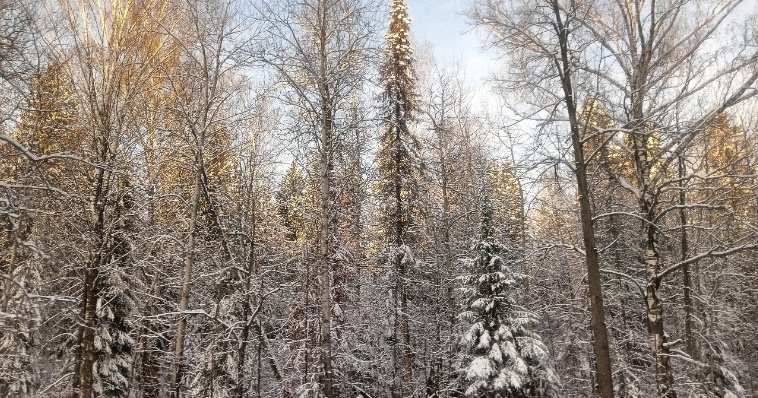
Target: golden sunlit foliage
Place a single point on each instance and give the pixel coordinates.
(507, 201)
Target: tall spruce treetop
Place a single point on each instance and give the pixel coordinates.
(398, 152)
(398, 184)
(502, 358)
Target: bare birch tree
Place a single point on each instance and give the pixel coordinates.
(320, 50)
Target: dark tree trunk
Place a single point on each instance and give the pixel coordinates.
(176, 362)
(84, 372)
(604, 374)
(686, 280)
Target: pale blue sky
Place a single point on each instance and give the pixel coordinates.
(443, 24)
(447, 29)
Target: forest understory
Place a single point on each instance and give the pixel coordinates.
(251, 198)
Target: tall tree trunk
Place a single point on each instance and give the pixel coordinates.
(654, 308)
(686, 282)
(656, 336)
(84, 372)
(401, 272)
(647, 201)
(239, 389)
(83, 377)
(176, 362)
(325, 277)
(327, 218)
(397, 385)
(359, 250)
(148, 378)
(603, 371)
(401, 306)
(407, 352)
(448, 272)
(638, 83)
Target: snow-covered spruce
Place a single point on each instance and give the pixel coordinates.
(502, 358)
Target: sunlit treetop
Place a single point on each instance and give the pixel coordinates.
(398, 153)
(398, 66)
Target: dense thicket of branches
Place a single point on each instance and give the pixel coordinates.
(241, 198)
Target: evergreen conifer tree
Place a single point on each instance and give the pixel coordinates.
(398, 154)
(291, 199)
(114, 343)
(399, 180)
(502, 358)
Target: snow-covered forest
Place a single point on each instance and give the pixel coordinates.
(297, 198)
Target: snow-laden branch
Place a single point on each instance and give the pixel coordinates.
(712, 253)
(259, 307)
(575, 248)
(608, 246)
(620, 213)
(629, 278)
(704, 206)
(40, 158)
(18, 187)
